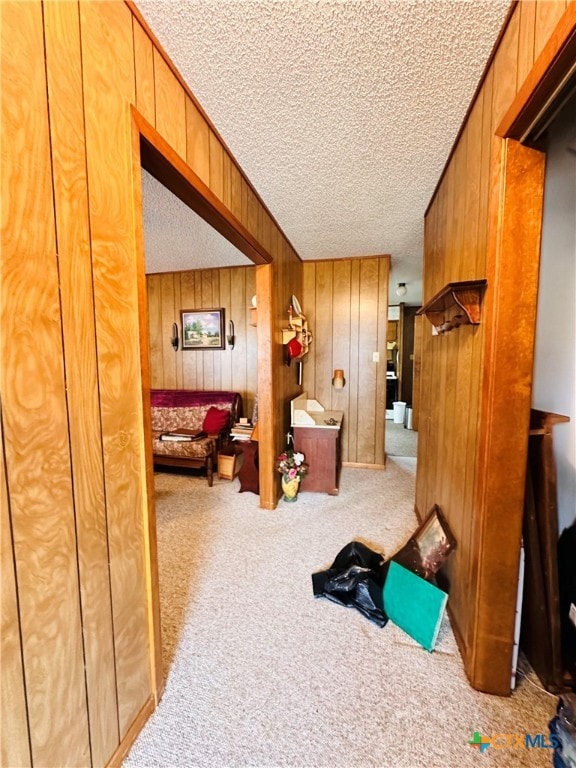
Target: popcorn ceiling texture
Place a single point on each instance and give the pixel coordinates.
(176, 238)
(341, 113)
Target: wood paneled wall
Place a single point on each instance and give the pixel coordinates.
(80, 666)
(229, 369)
(346, 304)
(461, 222)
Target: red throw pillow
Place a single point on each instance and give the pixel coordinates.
(216, 419)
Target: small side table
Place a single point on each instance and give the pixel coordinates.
(248, 475)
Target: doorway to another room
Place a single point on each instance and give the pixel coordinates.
(401, 435)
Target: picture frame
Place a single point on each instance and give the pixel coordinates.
(203, 329)
(428, 547)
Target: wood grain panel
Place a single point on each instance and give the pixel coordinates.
(271, 405)
(516, 219)
(345, 301)
(341, 319)
(236, 196)
(484, 183)
(106, 34)
(354, 379)
(144, 73)
(368, 343)
(62, 33)
(471, 184)
(169, 317)
(230, 288)
(170, 106)
(308, 300)
(323, 332)
(188, 301)
(153, 285)
(15, 742)
(526, 34)
(485, 645)
(250, 334)
(548, 14)
(197, 141)
(381, 348)
(505, 68)
(216, 166)
(34, 400)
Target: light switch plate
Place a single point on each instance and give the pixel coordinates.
(375, 357)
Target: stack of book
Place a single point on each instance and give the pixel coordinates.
(183, 435)
(241, 431)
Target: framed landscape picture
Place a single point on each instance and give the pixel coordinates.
(202, 328)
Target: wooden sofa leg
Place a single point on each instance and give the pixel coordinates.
(210, 470)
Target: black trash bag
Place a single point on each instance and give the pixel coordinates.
(356, 580)
(563, 732)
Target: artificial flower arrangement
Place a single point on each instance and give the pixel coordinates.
(292, 464)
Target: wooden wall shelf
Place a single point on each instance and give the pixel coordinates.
(456, 304)
(298, 329)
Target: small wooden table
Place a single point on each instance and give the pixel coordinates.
(248, 475)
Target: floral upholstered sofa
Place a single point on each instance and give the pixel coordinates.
(181, 411)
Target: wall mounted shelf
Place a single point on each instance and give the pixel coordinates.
(298, 329)
(456, 304)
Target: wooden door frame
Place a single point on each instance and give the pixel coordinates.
(152, 152)
(515, 225)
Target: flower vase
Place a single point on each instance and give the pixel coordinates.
(290, 487)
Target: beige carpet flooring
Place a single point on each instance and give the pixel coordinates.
(401, 441)
(260, 673)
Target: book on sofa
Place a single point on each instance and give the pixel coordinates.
(183, 435)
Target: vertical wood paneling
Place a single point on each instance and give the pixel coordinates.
(526, 33)
(144, 73)
(548, 13)
(167, 301)
(188, 300)
(355, 382)
(505, 68)
(308, 302)
(197, 142)
(14, 745)
(345, 301)
(381, 348)
(236, 195)
(216, 166)
(340, 400)
(231, 288)
(106, 33)
(368, 343)
(34, 403)
(452, 412)
(155, 339)
(62, 30)
(323, 333)
(75, 455)
(170, 102)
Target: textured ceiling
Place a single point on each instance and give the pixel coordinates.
(342, 113)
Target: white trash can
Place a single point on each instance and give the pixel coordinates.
(399, 412)
(408, 419)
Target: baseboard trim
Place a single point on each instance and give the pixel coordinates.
(354, 465)
(130, 736)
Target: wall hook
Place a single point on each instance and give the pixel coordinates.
(175, 340)
(231, 338)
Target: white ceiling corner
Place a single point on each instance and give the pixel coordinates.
(341, 113)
